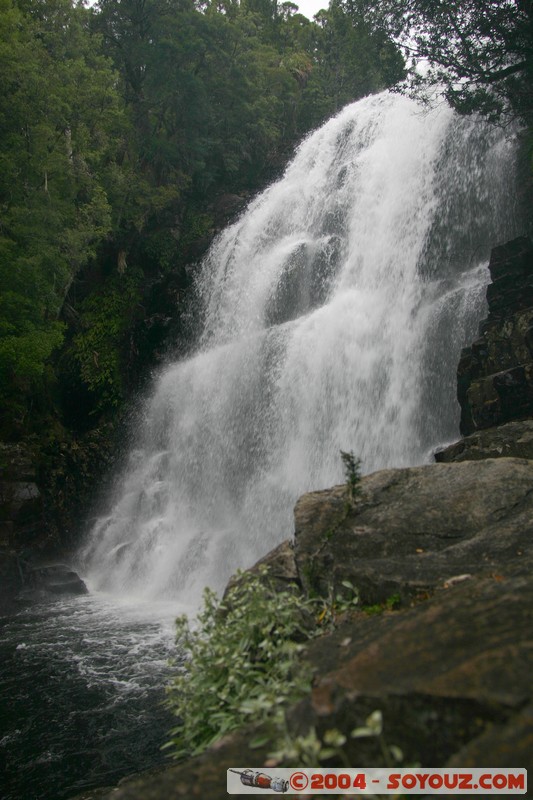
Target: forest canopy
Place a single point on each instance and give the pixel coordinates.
(119, 124)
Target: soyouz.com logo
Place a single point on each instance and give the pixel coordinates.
(415, 780)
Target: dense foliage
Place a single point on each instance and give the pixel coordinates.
(239, 662)
(59, 129)
(120, 125)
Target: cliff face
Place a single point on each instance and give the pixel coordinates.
(495, 374)
(42, 499)
(442, 556)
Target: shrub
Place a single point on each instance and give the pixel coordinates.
(239, 662)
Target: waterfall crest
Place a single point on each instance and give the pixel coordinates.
(334, 312)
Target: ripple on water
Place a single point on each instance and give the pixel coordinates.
(82, 686)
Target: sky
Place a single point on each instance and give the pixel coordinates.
(310, 7)
(307, 7)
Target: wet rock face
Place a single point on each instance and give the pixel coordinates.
(495, 374)
(21, 519)
(22, 535)
(448, 670)
(282, 569)
(444, 673)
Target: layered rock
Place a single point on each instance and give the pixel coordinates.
(24, 538)
(495, 375)
(503, 441)
(445, 673)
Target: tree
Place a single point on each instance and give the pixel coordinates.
(59, 113)
(352, 59)
(479, 53)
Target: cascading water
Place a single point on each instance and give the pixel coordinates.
(334, 313)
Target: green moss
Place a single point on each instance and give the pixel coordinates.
(390, 604)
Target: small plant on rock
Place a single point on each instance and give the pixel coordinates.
(352, 473)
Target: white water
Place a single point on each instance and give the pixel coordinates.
(334, 313)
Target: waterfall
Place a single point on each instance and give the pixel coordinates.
(333, 314)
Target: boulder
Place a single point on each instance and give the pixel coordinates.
(282, 569)
(55, 579)
(417, 529)
(450, 670)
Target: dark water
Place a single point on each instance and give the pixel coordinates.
(81, 693)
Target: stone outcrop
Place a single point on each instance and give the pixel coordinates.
(444, 673)
(21, 518)
(449, 662)
(416, 530)
(25, 540)
(282, 570)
